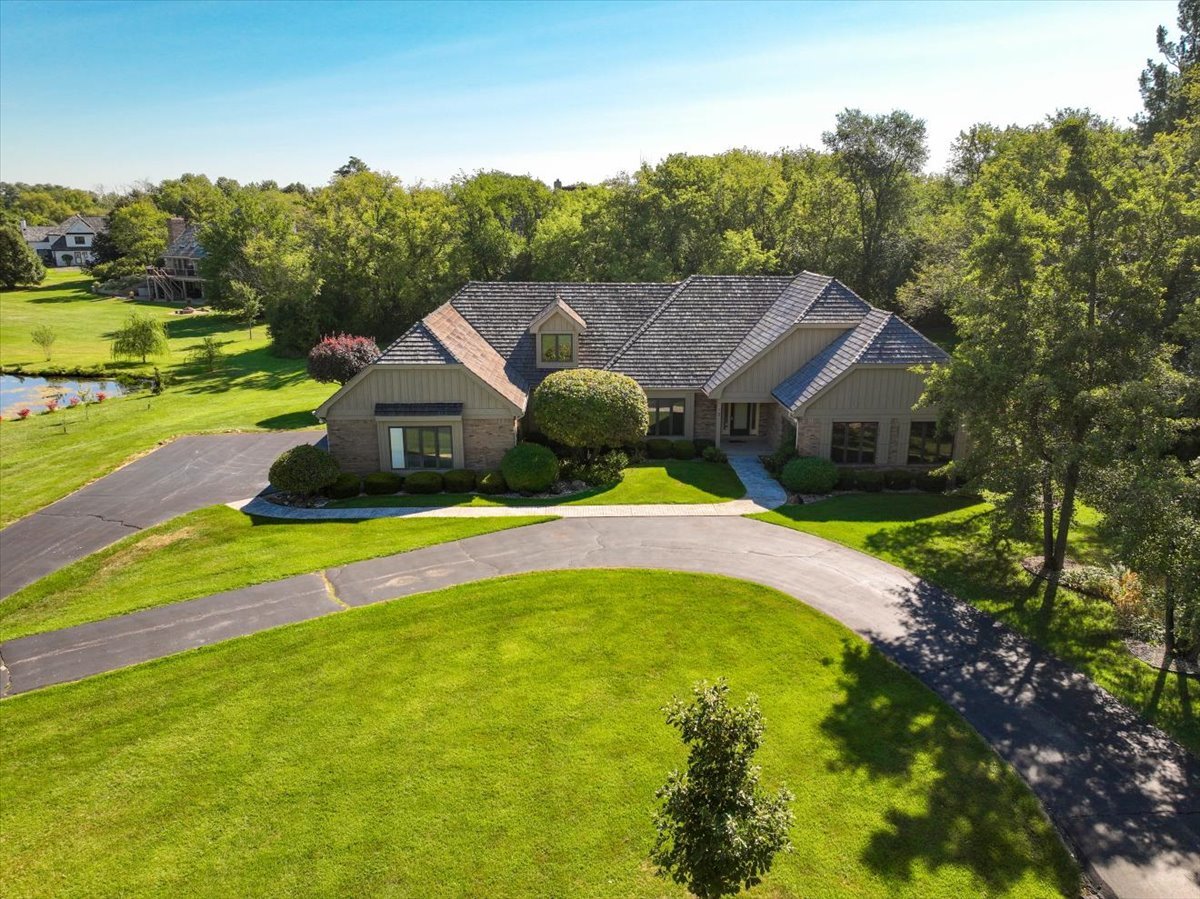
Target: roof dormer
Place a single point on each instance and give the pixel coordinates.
(556, 331)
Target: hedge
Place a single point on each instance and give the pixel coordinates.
(459, 480)
(492, 483)
(380, 483)
(809, 474)
(529, 468)
(303, 469)
(659, 448)
(683, 449)
(346, 486)
(423, 482)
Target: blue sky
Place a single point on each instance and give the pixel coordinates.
(104, 94)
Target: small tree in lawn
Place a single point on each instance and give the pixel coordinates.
(589, 409)
(141, 335)
(44, 337)
(247, 304)
(718, 832)
(338, 358)
(208, 353)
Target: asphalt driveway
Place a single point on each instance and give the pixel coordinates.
(186, 474)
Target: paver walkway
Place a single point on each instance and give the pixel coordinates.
(1123, 794)
(186, 474)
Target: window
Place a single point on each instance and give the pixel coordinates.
(557, 347)
(854, 442)
(79, 240)
(928, 445)
(421, 447)
(666, 417)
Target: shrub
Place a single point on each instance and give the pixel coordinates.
(898, 479)
(459, 480)
(346, 486)
(1090, 579)
(930, 483)
(303, 469)
(338, 358)
(141, 335)
(703, 443)
(868, 479)
(659, 448)
(587, 409)
(784, 453)
(381, 483)
(529, 468)
(492, 483)
(606, 468)
(809, 474)
(683, 449)
(51, 406)
(637, 452)
(423, 482)
(714, 454)
(23, 413)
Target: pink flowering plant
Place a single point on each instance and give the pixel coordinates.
(101, 396)
(23, 414)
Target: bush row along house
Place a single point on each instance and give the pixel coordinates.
(69, 242)
(737, 360)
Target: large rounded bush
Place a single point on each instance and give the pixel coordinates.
(423, 482)
(303, 469)
(809, 474)
(338, 358)
(588, 408)
(529, 468)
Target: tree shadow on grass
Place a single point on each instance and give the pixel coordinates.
(253, 369)
(890, 728)
(289, 421)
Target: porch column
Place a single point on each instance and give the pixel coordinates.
(720, 416)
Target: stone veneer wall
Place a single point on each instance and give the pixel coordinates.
(808, 437)
(704, 418)
(355, 444)
(770, 423)
(486, 440)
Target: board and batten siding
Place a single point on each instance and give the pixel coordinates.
(419, 384)
(778, 364)
(889, 390)
(558, 323)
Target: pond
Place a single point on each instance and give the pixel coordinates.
(28, 392)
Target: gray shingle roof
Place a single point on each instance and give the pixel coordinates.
(417, 346)
(398, 409)
(37, 233)
(881, 338)
(186, 245)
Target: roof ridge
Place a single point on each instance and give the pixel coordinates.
(874, 334)
(650, 319)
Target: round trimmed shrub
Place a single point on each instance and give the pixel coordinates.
(868, 479)
(703, 443)
(303, 469)
(714, 454)
(931, 483)
(529, 468)
(346, 486)
(659, 448)
(339, 357)
(381, 483)
(587, 408)
(459, 480)
(809, 474)
(423, 482)
(492, 483)
(898, 479)
(683, 449)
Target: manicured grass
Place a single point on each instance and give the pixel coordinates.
(210, 551)
(669, 481)
(504, 738)
(947, 540)
(48, 456)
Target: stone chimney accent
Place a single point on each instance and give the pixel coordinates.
(175, 228)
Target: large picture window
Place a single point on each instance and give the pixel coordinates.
(854, 442)
(667, 417)
(421, 447)
(927, 445)
(557, 348)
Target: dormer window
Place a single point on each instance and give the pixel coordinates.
(557, 349)
(556, 331)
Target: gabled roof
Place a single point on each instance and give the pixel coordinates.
(186, 245)
(881, 338)
(559, 305)
(417, 346)
(97, 224)
(467, 347)
(38, 233)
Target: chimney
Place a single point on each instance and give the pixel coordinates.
(175, 228)
(23, 225)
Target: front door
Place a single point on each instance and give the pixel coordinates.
(741, 419)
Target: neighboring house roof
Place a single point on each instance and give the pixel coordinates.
(38, 233)
(97, 224)
(186, 245)
(881, 338)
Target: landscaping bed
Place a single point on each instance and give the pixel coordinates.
(503, 738)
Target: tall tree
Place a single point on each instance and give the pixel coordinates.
(19, 265)
(138, 232)
(1165, 99)
(882, 156)
(497, 216)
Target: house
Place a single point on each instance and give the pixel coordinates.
(179, 277)
(732, 359)
(68, 243)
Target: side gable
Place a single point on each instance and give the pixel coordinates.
(558, 316)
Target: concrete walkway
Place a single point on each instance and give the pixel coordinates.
(186, 474)
(1124, 795)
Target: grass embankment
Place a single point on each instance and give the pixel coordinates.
(503, 738)
(213, 550)
(947, 540)
(48, 456)
(669, 481)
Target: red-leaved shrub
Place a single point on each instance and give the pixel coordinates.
(101, 396)
(338, 358)
(51, 406)
(23, 413)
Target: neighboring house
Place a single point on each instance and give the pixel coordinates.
(68, 243)
(730, 359)
(179, 278)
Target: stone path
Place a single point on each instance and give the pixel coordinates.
(1124, 795)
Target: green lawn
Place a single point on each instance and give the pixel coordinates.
(669, 481)
(947, 541)
(503, 738)
(213, 550)
(48, 456)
